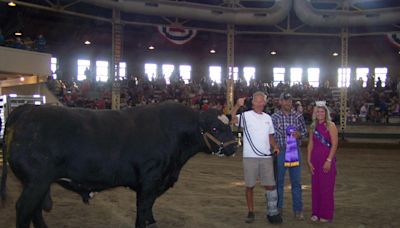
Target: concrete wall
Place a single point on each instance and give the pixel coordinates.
(18, 61)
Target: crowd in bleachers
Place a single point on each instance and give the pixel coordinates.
(25, 43)
(373, 103)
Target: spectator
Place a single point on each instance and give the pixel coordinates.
(398, 88)
(299, 107)
(395, 106)
(18, 43)
(2, 39)
(360, 83)
(363, 112)
(40, 43)
(379, 83)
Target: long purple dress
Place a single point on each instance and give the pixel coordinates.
(322, 184)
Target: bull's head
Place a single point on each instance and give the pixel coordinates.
(217, 135)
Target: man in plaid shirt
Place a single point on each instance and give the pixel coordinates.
(286, 119)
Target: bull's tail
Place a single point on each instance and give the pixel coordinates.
(3, 190)
(7, 139)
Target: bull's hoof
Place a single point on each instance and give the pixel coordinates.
(85, 200)
(154, 225)
(47, 208)
(47, 205)
(86, 196)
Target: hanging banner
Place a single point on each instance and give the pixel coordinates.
(177, 34)
(394, 39)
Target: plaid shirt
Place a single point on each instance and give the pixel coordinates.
(282, 121)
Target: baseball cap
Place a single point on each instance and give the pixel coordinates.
(285, 96)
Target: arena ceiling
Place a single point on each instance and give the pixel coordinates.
(67, 23)
(284, 17)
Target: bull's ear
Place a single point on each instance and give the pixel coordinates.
(207, 118)
(203, 120)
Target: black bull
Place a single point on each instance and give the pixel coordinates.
(87, 151)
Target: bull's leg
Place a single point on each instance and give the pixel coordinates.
(29, 206)
(150, 220)
(144, 203)
(47, 202)
(37, 219)
(46, 205)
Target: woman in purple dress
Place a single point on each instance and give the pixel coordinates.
(321, 151)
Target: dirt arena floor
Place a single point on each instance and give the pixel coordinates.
(210, 194)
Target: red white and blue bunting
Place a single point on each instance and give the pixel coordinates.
(394, 38)
(177, 34)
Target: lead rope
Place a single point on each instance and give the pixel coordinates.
(247, 134)
(221, 145)
(239, 130)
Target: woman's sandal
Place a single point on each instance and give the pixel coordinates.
(324, 220)
(314, 218)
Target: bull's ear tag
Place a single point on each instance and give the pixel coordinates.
(223, 119)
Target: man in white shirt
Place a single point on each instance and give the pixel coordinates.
(258, 138)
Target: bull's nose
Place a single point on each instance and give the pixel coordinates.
(231, 150)
(236, 145)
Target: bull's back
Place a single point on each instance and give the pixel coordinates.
(79, 130)
(63, 142)
(58, 130)
(99, 144)
(63, 126)
(17, 113)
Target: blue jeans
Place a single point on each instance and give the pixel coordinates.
(295, 181)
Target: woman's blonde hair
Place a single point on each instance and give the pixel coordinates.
(327, 116)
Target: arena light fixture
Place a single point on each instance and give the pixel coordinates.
(273, 52)
(12, 3)
(212, 51)
(335, 54)
(87, 42)
(151, 47)
(18, 33)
